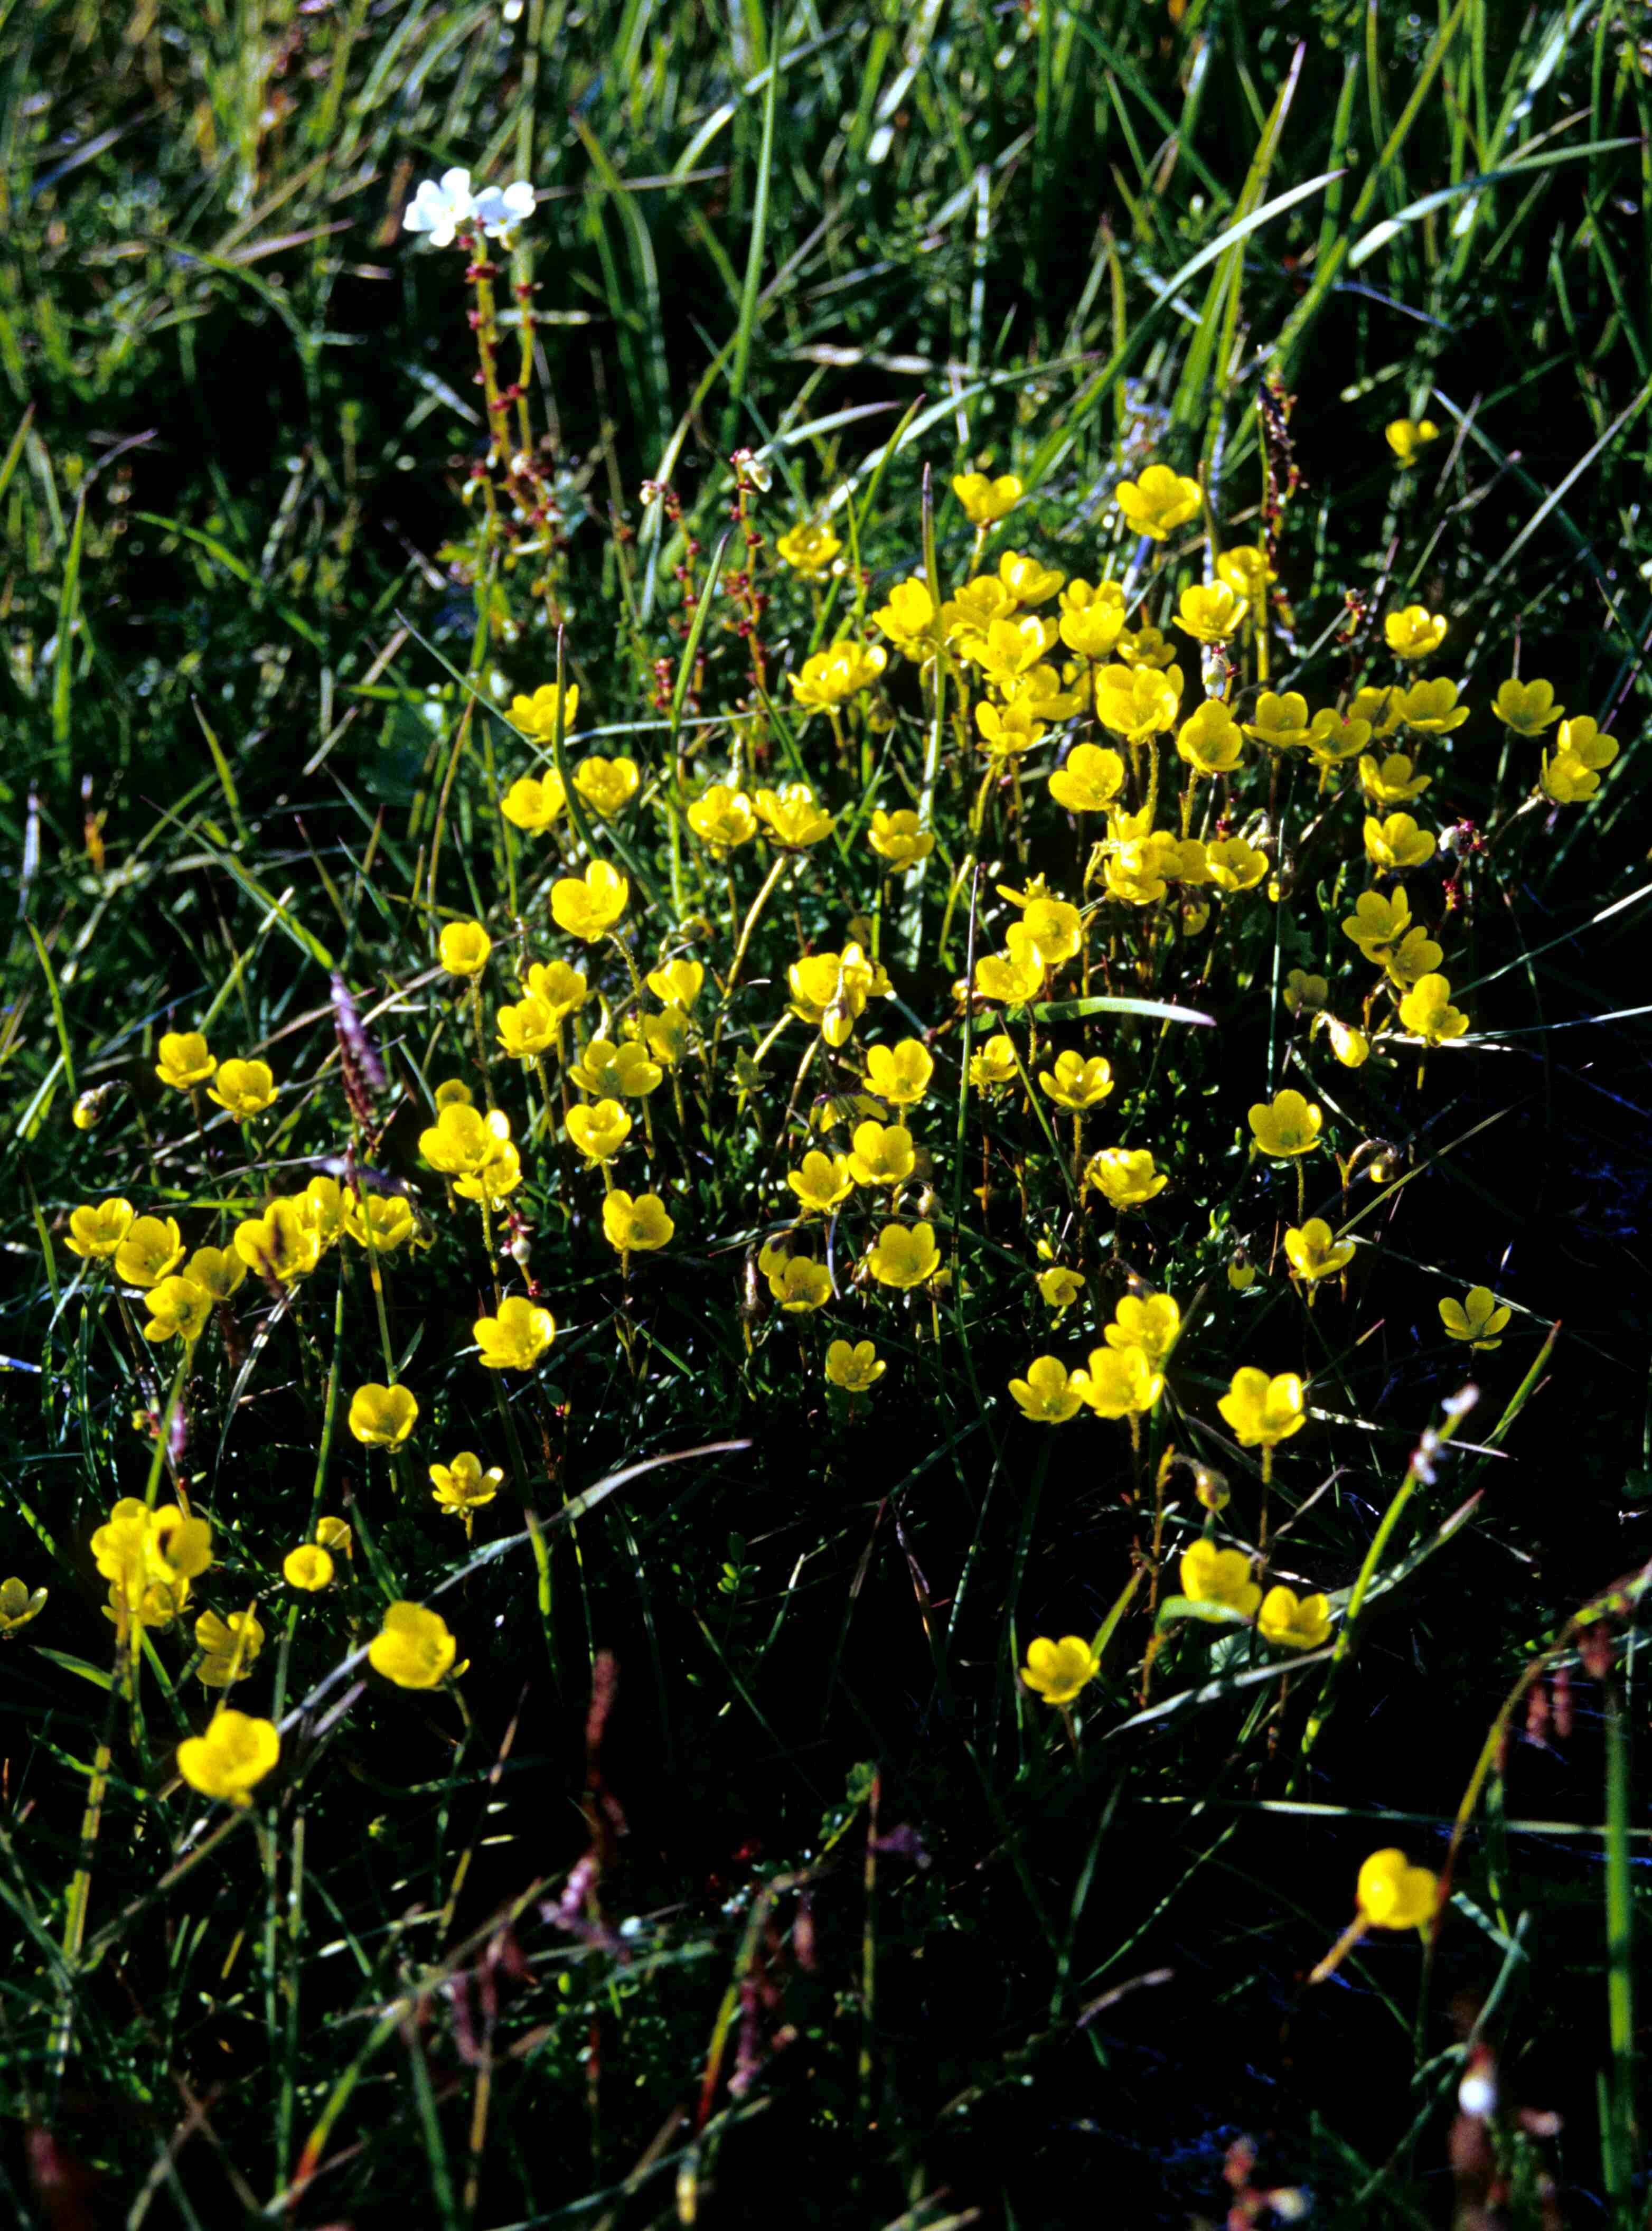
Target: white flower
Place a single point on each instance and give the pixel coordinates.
(499, 209)
(440, 207)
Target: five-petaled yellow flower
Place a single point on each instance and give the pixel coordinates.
(1287, 1125)
(1478, 1317)
(1075, 1083)
(1314, 1252)
(1157, 502)
(797, 1282)
(536, 716)
(309, 1567)
(184, 1060)
(1293, 1622)
(856, 1369)
(1059, 1288)
(463, 1486)
(588, 906)
(245, 1088)
(95, 1231)
(904, 1256)
(517, 1337)
(382, 1416)
(179, 1309)
(636, 1226)
(1058, 1671)
(464, 947)
(900, 1074)
(831, 677)
(1393, 1894)
(808, 549)
(233, 1756)
(149, 1248)
(1428, 1014)
(414, 1648)
(986, 501)
(1126, 1175)
(1264, 1412)
(900, 839)
(1209, 1575)
(1528, 707)
(19, 1603)
(1047, 1394)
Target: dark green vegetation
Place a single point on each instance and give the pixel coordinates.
(875, 1947)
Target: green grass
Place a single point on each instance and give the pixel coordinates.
(740, 1873)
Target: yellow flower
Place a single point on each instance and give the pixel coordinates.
(231, 1758)
(1047, 1394)
(1393, 1894)
(282, 1244)
(1008, 731)
(536, 716)
(1246, 570)
(334, 1534)
(606, 785)
(966, 617)
(1077, 1084)
(822, 1183)
(856, 1369)
(808, 549)
(179, 1309)
(831, 677)
(382, 1416)
(910, 620)
(608, 1071)
(555, 986)
(1159, 500)
(1147, 646)
(149, 1248)
(1126, 1175)
(454, 1092)
(1430, 708)
(1408, 437)
(1477, 1318)
(149, 1558)
(792, 817)
(1390, 781)
(993, 1065)
(1396, 843)
(1059, 1288)
(231, 1644)
(636, 1226)
(184, 1060)
(1210, 740)
(1093, 618)
(898, 838)
(1378, 709)
(245, 1088)
(464, 947)
(462, 1486)
(218, 1271)
(1378, 923)
(381, 1220)
(883, 1154)
(679, 984)
(1058, 1671)
(598, 1129)
(1313, 1252)
(1212, 614)
(1528, 707)
(1573, 773)
(1262, 1411)
(532, 802)
(1027, 579)
(1091, 779)
(516, 1338)
(1136, 701)
(900, 1074)
(309, 1566)
(1351, 1047)
(588, 906)
(1118, 1382)
(1287, 1125)
(831, 990)
(18, 1604)
(1234, 863)
(1009, 979)
(1219, 1576)
(904, 1256)
(1052, 929)
(986, 501)
(723, 817)
(1332, 738)
(1416, 632)
(527, 1029)
(1428, 1014)
(413, 1647)
(1304, 993)
(1151, 1323)
(1294, 1622)
(1282, 723)
(96, 1230)
(797, 1282)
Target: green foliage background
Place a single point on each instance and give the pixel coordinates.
(240, 411)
